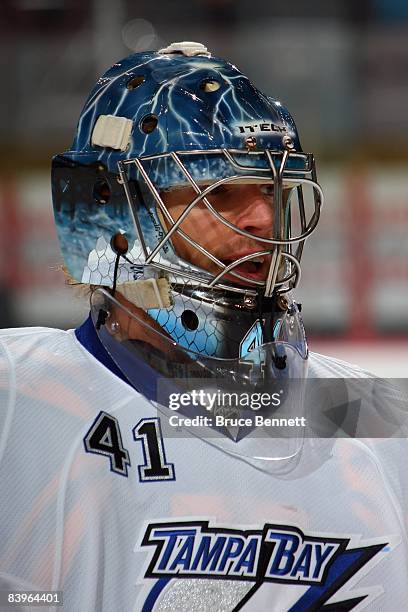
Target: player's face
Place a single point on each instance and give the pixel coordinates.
(249, 207)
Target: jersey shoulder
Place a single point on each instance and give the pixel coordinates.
(323, 366)
(20, 332)
(33, 355)
(12, 334)
(24, 345)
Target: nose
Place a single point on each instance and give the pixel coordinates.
(256, 212)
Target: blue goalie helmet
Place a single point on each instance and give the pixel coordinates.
(186, 196)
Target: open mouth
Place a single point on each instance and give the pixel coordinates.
(255, 269)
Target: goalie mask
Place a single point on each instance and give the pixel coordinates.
(138, 202)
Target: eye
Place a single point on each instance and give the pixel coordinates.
(221, 189)
(268, 190)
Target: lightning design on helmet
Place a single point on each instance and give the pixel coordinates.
(188, 118)
(172, 84)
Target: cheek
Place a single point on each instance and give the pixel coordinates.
(205, 229)
(197, 222)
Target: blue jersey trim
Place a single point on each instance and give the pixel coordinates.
(87, 336)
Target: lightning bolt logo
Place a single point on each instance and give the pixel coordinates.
(313, 567)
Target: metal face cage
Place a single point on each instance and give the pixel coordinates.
(295, 215)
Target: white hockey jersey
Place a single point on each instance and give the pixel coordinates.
(96, 503)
